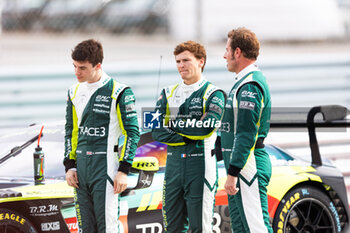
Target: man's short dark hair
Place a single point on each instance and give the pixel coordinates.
(195, 48)
(246, 40)
(88, 50)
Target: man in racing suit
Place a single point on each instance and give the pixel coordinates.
(99, 111)
(245, 125)
(191, 112)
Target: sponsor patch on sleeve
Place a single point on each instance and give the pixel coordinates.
(217, 100)
(215, 108)
(248, 94)
(247, 105)
(130, 107)
(129, 98)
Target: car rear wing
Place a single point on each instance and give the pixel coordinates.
(333, 116)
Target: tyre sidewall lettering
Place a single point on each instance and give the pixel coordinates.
(9, 217)
(296, 195)
(285, 210)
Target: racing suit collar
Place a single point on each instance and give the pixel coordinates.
(195, 86)
(247, 70)
(103, 80)
(184, 91)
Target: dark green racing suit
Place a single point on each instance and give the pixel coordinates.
(191, 114)
(245, 124)
(97, 115)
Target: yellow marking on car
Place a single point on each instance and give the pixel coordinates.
(279, 185)
(48, 191)
(221, 183)
(146, 163)
(144, 202)
(156, 199)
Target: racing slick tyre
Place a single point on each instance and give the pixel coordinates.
(306, 209)
(12, 222)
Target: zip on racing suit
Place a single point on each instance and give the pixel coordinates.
(97, 115)
(190, 179)
(245, 124)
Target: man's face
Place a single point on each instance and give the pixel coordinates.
(229, 56)
(85, 72)
(189, 67)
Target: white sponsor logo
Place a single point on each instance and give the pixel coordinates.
(98, 132)
(195, 100)
(50, 226)
(129, 98)
(194, 113)
(131, 115)
(218, 100)
(101, 105)
(249, 94)
(247, 105)
(43, 210)
(215, 108)
(154, 227)
(146, 182)
(195, 107)
(102, 98)
(100, 110)
(72, 226)
(130, 107)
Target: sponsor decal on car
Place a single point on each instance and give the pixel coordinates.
(153, 227)
(72, 224)
(335, 213)
(50, 226)
(43, 210)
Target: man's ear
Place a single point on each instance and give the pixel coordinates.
(98, 66)
(238, 53)
(201, 62)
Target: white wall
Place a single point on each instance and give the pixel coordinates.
(269, 19)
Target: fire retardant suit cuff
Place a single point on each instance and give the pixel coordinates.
(124, 167)
(233, 171)
(70, 163)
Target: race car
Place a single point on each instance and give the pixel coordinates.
(304, 195)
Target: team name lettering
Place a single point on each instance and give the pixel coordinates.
(92, 131)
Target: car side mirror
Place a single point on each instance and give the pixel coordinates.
(145, 167)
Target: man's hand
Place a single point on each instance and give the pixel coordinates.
(230, 185)
(72, 178)
(120, 182)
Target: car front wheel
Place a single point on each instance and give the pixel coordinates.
(306, 209)
(13, 222)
